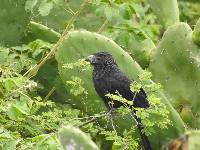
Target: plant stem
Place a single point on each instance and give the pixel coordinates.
(94, 118)
(102, 26)
(49, 94)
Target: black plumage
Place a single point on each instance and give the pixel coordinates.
(108, 78)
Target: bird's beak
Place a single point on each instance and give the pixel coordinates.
(90, 58)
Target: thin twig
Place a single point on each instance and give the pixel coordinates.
(49, 94)
(113, 126)
(102, 26)
(67, 4)
(33, 71)
(94, 118)
(71, 13)
(87, 122)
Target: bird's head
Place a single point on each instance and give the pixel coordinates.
(101, 59)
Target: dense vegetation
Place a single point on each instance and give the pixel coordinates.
(46, 92)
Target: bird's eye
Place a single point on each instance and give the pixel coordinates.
(98, 58)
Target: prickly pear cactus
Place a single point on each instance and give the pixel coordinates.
(73, 138)
(12, 25)
(79, 44)
(175, 65)
(38, 31)
(167, 11)
(196, 33)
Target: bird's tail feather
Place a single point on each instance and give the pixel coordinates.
(144, 138)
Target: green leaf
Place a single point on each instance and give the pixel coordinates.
(111, 13)
(7, 141)
(21, 48)
(47, 142)
(125, 11)
(3, 54)
(39, 47)
(10, 84)
(139, 10)
(45, 7)
(30, 4)
(19, 108)
(13, 113)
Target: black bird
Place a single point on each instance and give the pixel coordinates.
(108, 78)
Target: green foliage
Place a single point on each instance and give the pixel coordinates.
(43, 141)
(189, 11)
(76, 86)
(81, 65)
(130, 26)
(7, 141)
(122, 142)
(23, 113)
(26, 114)
(14, 20)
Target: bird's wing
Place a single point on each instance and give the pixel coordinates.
(121, 83)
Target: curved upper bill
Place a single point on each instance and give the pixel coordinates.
(90, 58)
